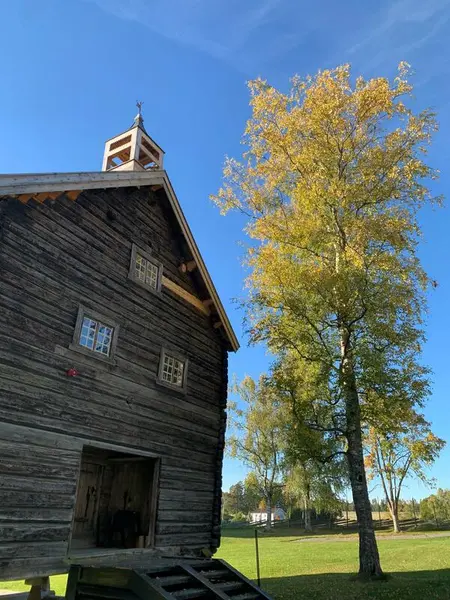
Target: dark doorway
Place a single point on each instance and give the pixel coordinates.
(116, 500)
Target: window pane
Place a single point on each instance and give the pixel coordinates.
(96, 336)
(87, 334)
(146, 271)
(151, 277)
(104, 338)
(173, 370)
(140, 267)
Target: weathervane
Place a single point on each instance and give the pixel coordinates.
(139, 106)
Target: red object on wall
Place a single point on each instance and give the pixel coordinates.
(72, 372)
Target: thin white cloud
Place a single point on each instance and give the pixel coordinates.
(220, 28)
(403, 27)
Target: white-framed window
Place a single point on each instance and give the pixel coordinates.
(145, 269)
(173, 369)
(95, 334)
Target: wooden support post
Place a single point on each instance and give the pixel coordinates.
(188, 266)
(73, 194)
(40, 588)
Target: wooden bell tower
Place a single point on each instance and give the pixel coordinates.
(133, 150)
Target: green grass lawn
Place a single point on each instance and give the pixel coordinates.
(292, 569)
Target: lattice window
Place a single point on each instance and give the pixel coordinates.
(147, 272)
(95, 334)
(173, 369)
(145, 269)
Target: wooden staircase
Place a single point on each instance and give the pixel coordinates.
(184, 580)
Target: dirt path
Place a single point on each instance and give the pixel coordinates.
(389, 536)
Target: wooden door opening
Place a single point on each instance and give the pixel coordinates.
(116, 500)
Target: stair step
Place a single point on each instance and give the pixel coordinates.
(216, 574)
(168, 580)
(248, 596)
(192, 593)
(230, 586)
(161, 571)
(204, 565)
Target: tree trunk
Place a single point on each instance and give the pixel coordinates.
(269, 513)
(307, 513)
(395, 519)
(369, 559)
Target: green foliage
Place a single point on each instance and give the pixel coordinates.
(239, 517)
(311, 485)
(436, 507)
(256, 436)
(407, 451)
(242, 497)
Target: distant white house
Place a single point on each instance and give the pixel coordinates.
(278, 514)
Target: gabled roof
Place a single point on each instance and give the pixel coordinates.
(35, 183)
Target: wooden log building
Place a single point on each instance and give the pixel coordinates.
(113, 369)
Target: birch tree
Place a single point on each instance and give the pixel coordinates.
(332, 179)
(255, 436)
(393, 457)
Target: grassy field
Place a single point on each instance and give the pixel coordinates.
(295, 569)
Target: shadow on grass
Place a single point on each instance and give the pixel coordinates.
(413, 585)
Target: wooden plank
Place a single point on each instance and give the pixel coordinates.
(182, 528)
(73, 194)
(32, 484)
(174, 539)
(34, 501)
(32, 566)
(30, 550)
(176, 289)
(35, 514)
(29, 531)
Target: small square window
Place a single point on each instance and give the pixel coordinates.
(95, 335)
(145, 270)
(172, 370)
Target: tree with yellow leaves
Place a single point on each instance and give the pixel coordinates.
(331, 183)
(393, 457)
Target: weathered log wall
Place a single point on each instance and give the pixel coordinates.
(54, 257)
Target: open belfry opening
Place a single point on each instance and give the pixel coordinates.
(115, 500)
(133, 150)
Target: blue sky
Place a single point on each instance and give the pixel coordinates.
(72, 71)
